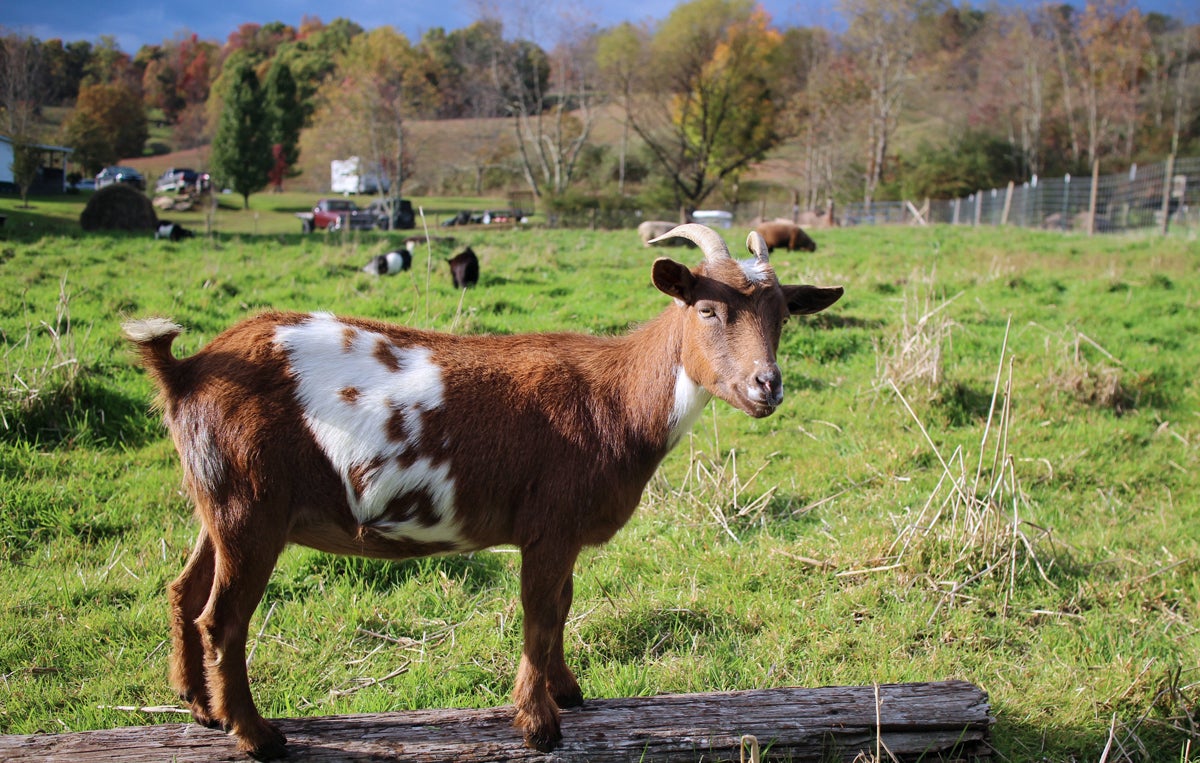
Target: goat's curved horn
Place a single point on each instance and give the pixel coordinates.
(709, 241)
(758, 247)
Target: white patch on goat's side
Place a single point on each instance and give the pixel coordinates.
(757, 272)
(364, 400)
(204, 464)
(690, 399)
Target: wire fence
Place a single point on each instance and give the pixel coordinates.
(1158, 196)
(1162, 197)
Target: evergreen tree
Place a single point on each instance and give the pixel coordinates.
(241, 149)
(285, 115)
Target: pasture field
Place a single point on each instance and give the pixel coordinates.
(987, 467)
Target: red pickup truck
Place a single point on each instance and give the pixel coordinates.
(334, 214)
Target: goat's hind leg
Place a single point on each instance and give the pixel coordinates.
(245, 555)
(188, 596)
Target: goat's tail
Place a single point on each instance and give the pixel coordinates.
(153, 338)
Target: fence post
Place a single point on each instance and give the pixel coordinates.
(1064, 223)
(1007, 204)
(1166, 197)
(1091, 226)
(957, 204)
(978, 207)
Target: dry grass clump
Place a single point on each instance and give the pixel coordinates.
(914, 355)
(1096, 384)
(714, 490)
(974, 526)
(32, 378)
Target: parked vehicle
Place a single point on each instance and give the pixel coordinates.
(488, 217)
(180, 179)
(402, 216)
(118, 174)
(354, 176)
(336, 214)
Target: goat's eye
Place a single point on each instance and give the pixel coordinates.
(706, 311)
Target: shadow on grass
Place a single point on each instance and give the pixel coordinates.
(87, 413)
(475, 572)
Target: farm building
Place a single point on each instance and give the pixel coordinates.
(52, 176)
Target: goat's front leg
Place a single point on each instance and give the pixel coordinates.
(543, 679)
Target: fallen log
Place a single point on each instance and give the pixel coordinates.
(946, 720)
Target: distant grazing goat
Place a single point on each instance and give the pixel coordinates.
(656, 231)
(355, 436)
(464, 269)
(810, 219)
(387, 264)
(171, 231)
(780, 234)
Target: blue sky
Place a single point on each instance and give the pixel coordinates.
(137, 22)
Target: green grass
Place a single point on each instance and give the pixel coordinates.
(800, 549)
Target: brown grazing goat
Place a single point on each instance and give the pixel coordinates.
(354, 436)
(780, 234)
(464, 269)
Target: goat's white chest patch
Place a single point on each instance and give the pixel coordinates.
(689, 400)
(364, 399)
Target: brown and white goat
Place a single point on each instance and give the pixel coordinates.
(359, 437)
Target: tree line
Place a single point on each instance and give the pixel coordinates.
(913, 98)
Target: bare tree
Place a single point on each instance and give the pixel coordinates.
(882, 38)
(20, 85)
(21, 72)
(549, 97)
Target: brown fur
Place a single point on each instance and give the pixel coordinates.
(574, 427)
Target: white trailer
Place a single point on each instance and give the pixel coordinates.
(351, 176)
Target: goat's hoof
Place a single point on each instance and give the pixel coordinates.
(569, 698)
(267, 743)
(545, 740)
(201, 715)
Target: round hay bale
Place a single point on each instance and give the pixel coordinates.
(118, 207)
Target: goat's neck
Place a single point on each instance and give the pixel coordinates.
(646, 377)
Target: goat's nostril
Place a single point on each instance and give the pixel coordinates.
(768, 380)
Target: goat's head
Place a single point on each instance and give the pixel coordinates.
(734, 315)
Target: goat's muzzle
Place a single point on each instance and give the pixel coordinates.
(764, 391)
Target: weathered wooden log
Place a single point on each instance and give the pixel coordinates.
(928, 721)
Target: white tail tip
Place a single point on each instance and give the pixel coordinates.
(148, 329)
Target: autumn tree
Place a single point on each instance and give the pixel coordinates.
(1015, 86)
(241, 150)
(706, 108)
(312, 56)
(177, 74)
(108, 123)
(381, 81)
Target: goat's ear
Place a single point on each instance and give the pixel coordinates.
(672, 278)
(803, 300)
